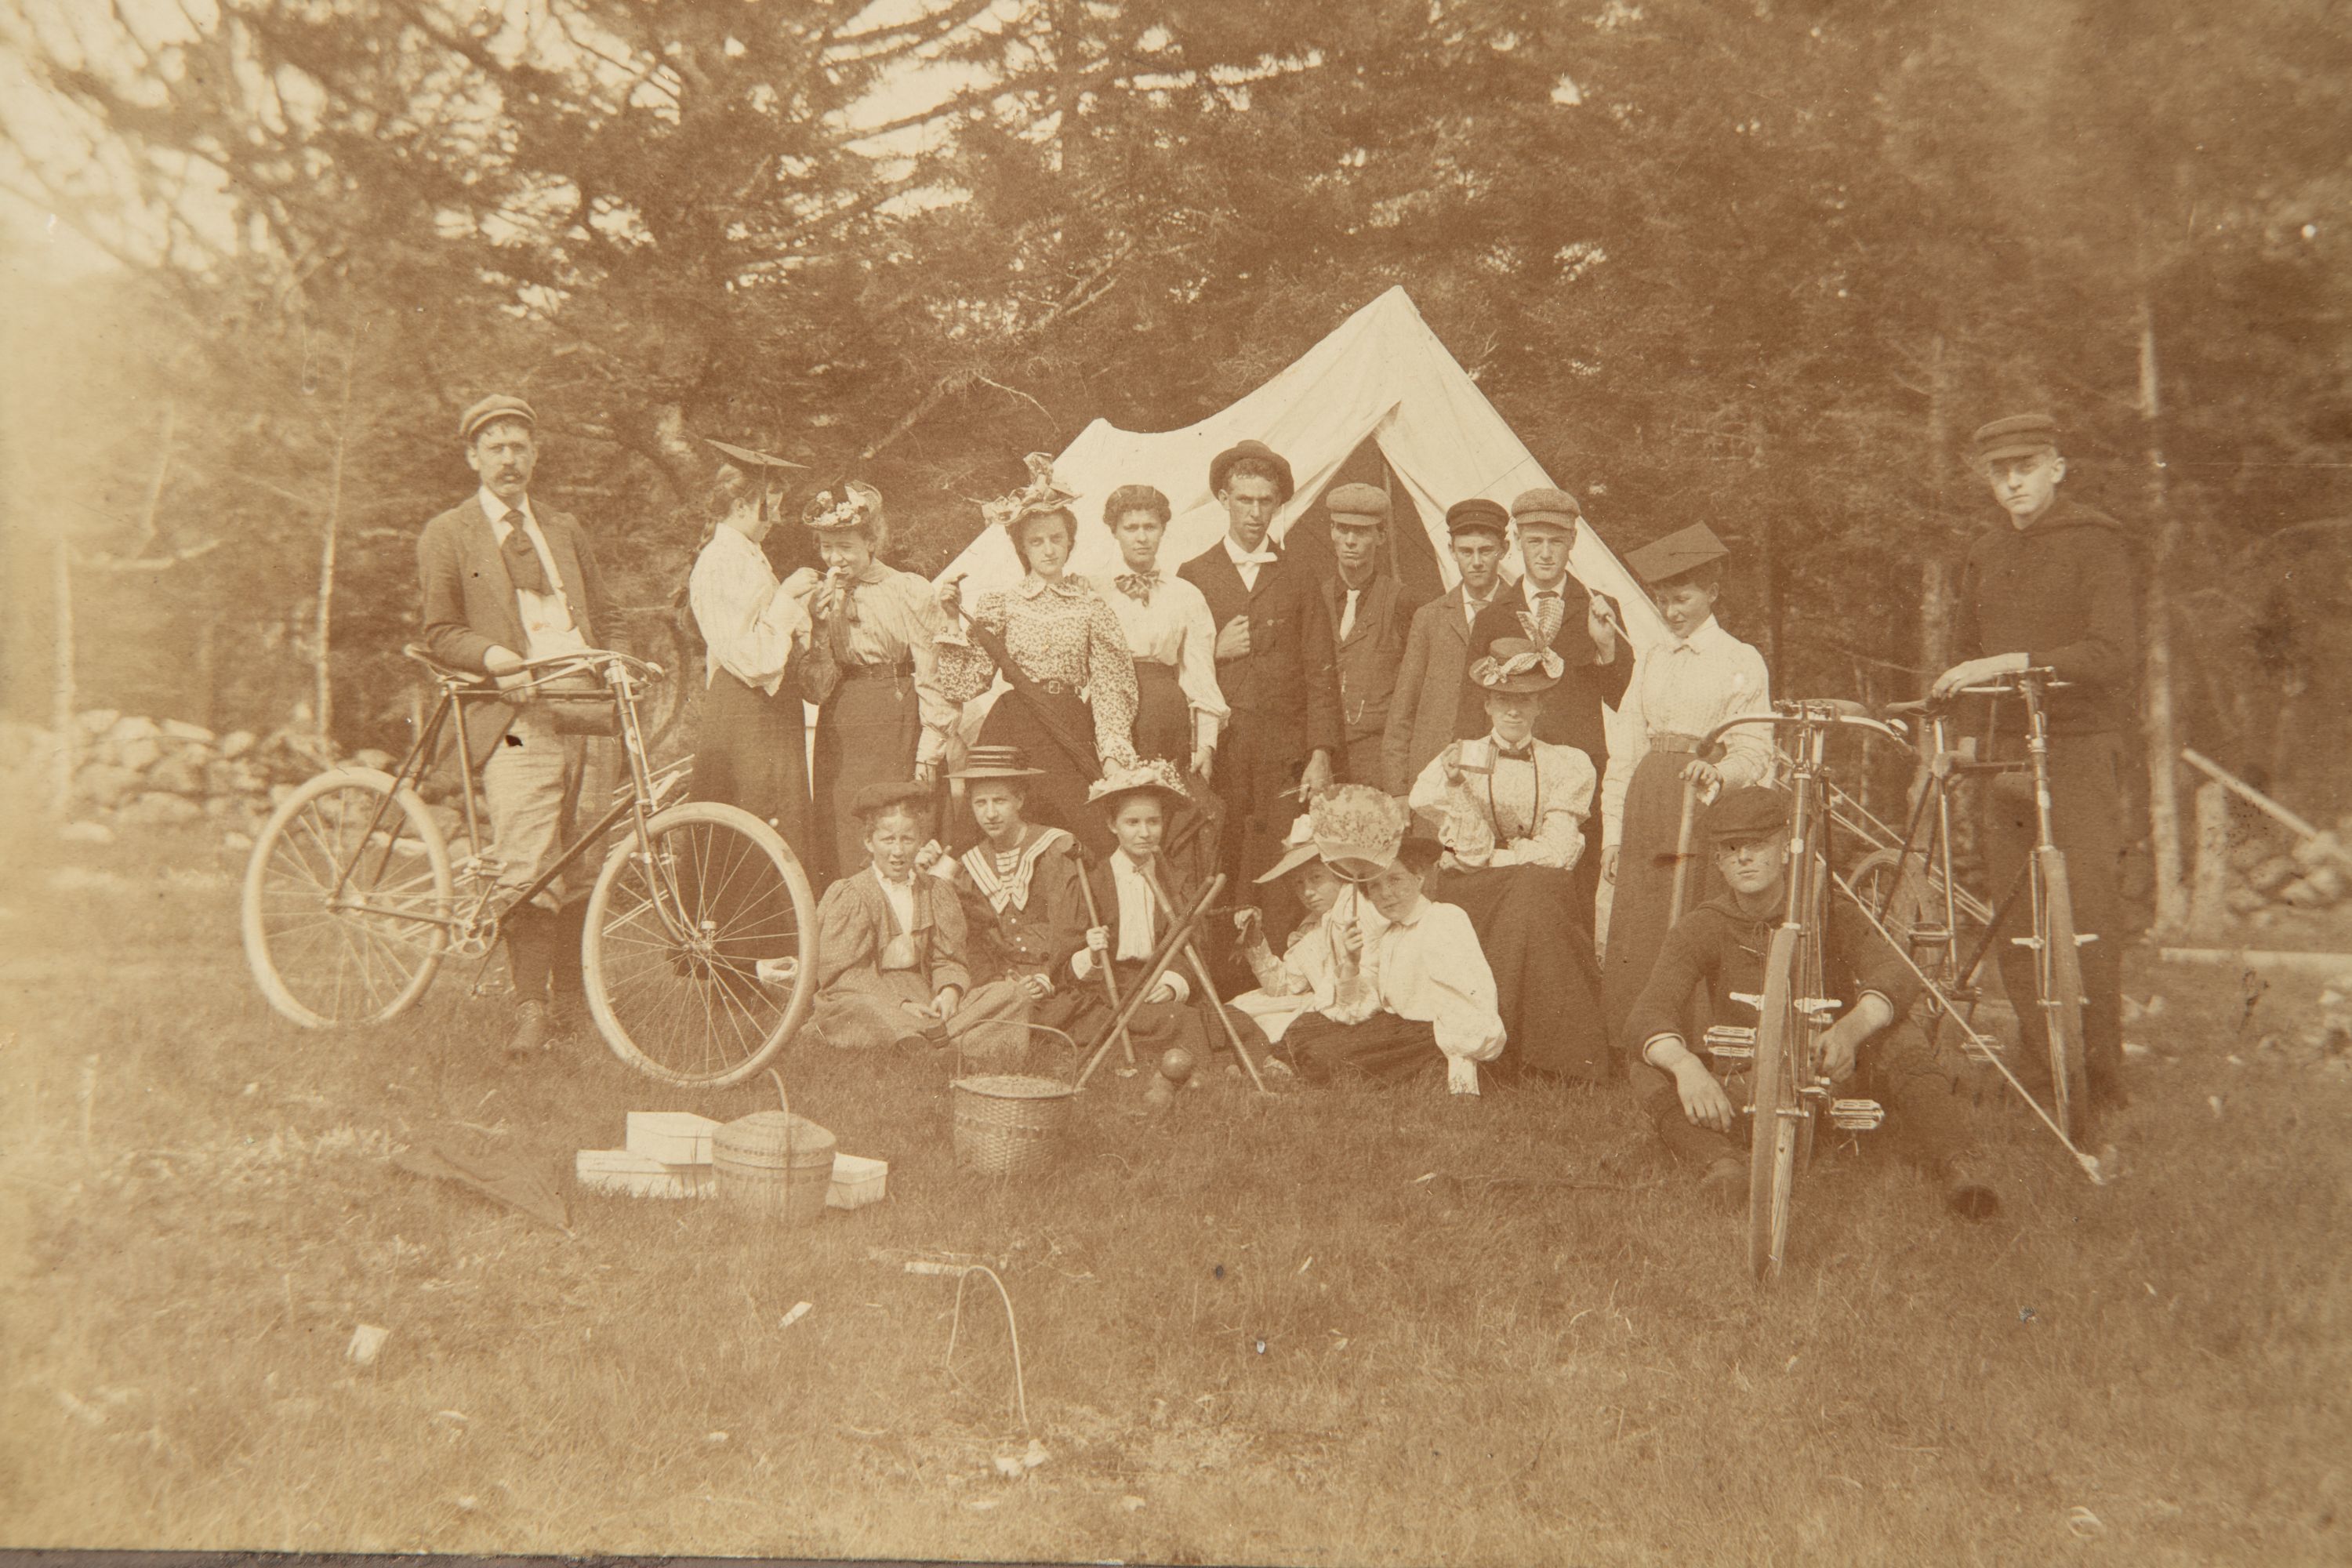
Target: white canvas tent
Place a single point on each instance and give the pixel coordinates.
(1382, 375)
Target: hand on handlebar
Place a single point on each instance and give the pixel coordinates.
(1977, 672)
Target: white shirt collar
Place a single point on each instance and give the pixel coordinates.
(496, 511)
(1532, 589)
(1263, 556)
(1706, 638)
(1410, 918)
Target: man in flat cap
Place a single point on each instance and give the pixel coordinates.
(506, 581)
(1276, 665)
(2054, 586)
(1436, 663)
(1581, 628)
(1366, 604)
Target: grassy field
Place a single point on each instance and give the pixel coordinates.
(1252, 1333)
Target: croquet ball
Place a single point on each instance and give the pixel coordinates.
(1176, 1064)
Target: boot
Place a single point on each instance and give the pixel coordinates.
(530, 1037)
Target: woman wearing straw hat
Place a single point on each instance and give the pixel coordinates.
(868, 669)
(1023, 904)
(1071, 709)
(752, 746)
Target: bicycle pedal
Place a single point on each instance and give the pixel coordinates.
(2081, 937)
(781, 973)
(1730, 1042)
(1930, 936)
(2031, 941)
(1856, 1115)
(1750, 998)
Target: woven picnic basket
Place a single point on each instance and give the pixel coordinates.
(774, 1163)
(1011, 1124)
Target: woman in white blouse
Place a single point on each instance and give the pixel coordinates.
(1179, 710)
(750, 750)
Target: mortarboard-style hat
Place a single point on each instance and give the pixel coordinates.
(2015, 436)
(498, 406)
(1223, 464)
(1547, 507)
(1686, 550)
(745, 457)
(1749, 811)
(1358, 506)
(1478, 515)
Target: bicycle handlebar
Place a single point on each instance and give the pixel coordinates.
(584, 658)
(1827, 710)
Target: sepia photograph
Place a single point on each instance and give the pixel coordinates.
(1273, 781)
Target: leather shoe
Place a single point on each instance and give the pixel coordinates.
(530, 1037)
(1726, 1183)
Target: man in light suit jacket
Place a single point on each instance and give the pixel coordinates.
(1551, 609)
(504, 582)
(1369, 615)
(1275, 665)
(1436, 660)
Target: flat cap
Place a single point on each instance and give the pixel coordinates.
(1223, 464)
(879, 797)
(1362, 505)
(1749, 811)
(498, 406)
(1686, 550)
(1555, 508)
(1478, 515)
(745, 457)
(2016, 435)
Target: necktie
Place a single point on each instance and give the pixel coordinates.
(1347, 616)
(1138, 585)
(1549, 615)
(523, 566)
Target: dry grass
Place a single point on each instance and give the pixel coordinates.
(1252, 1334)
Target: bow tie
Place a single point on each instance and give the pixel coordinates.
(1525, 752)
(1139, 585)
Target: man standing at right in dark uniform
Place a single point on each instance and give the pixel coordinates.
(2053, 586)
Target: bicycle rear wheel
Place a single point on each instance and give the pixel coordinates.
(2062, 979)
(1775, 1110)
(343, 895)
(701, 948)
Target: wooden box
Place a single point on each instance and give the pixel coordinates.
(673, 1137)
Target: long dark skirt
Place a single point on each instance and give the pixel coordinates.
(1059, 799)
(1163, 717)
(751, 751)
(866, 734)
(1645, 880)
(1384, 1048)
(1548, 985)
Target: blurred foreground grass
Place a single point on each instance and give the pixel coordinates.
(1252, 1333)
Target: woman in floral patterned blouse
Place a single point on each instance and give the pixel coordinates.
(1072, 704)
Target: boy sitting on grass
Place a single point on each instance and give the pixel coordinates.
(1721, 946)
(1416, 998)
(1019, 885)
(891, 944)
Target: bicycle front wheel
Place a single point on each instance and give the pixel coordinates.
(1775, 1110)
(701, 948)
(345, 899)
(2061, 996)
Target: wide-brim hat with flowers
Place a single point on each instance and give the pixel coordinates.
(855, 504)
(1297, 849)
(1156, 774)
(1041, 496)
(1517, 669)
(1359, 830)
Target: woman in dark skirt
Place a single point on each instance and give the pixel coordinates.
(1071, 706)
(1179, 709)
(868, 671)
(750, 749)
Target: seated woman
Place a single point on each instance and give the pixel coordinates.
(1021, 901)
(1071, 708)
(1416, 1002)
(1510, 811)
(891, 968)
(1307, 976)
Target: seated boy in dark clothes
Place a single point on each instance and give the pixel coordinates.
(1721, 946)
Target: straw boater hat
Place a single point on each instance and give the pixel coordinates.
(1357, 825)
(1517, 668)
(1297, 849)
(1156, 774)
(996, 762)
(1042, 494)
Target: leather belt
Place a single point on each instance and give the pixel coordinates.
(1666, 741)
(877, 671)
(1054, 688)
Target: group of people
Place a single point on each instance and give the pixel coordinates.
(1400, 800)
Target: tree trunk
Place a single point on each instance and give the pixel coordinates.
(2157, 719)
(325, 637)
(1938, 585)
(63, 714)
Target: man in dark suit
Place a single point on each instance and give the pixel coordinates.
(1276, 665)
(505, 581)
(1369, 615)
(1551, 609)
(1437, 648)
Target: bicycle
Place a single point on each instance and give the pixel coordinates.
(1788, 1092)
(1903, 875)
(698, 952)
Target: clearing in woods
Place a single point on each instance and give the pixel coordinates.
(1329, 1327)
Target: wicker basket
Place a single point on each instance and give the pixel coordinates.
(1011, 1124)
(774, 1163)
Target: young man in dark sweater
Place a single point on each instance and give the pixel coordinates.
(2054, 586)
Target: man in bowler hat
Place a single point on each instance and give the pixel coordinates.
(506, 581)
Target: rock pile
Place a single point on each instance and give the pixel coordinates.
(131, 769)
(2273, 873)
